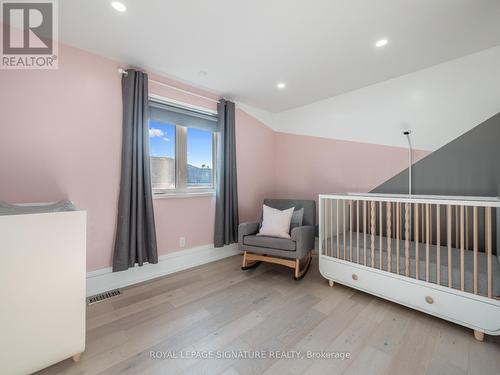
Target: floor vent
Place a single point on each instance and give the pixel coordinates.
(103, 296)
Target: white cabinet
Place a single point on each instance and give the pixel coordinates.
(42, 289)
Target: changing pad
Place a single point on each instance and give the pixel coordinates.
(23, 209)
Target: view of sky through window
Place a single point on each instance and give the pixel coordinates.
(161, 139)
(199, 143)
(198, 168)
(199, 148)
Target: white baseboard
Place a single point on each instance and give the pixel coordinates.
(104, 279)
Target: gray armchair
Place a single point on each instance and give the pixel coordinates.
(288, 252)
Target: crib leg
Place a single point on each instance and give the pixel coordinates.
(479, 336)
(76, 357)
(330, 282)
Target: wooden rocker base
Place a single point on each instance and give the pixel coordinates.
(250, 265)
(299, 274)
(251, 260)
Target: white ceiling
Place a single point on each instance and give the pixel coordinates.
(320, 48)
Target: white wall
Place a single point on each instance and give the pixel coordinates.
(439, 104)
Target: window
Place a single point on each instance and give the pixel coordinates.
(200, 158)
(182, 146)
(162, 153)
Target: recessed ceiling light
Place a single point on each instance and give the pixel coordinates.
(281, 85)
(381, 42)
(120, 7)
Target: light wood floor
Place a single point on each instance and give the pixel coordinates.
(218, 307)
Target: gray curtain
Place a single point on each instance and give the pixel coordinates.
(226, 206)
(135, 233)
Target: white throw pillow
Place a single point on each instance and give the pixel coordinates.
(276, 223)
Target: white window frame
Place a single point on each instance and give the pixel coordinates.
(182, 189)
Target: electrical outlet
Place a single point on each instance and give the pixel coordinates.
(182, 241)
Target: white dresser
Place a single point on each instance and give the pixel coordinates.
(42, 288)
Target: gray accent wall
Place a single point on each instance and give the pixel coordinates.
(467, 166)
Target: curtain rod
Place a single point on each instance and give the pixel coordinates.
(124, 72)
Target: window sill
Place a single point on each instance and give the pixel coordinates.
(188, 194)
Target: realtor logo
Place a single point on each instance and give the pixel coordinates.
(29, 34)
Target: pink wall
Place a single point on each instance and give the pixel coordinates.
(307, 166)
(60, 137)
(255, 159)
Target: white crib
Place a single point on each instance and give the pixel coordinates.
(431, 253)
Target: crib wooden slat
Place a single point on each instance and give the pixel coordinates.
(332, 223)
(331, 227)
(398, 213)
(456, 228)
(325, 224)
(438, 244)
(332, 231)
(448, 242)
(407, 239)
(389, 234)
(327, 219)
(475, 246)
(368, 216)
(393, 213)
(417, 256)
(327, 206)
(467, 227)
(364, 233)
(372, 222)
(462, 253)
(394, 204)
(488, 241)
(357, 232)
(428, 242)
(350, 230)
(381, 226)
(331, 218)
(423, 223)
(430, 222)
(337, 223)
(322, 225)
(328, 224)
(401, 227)
(343, 227)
